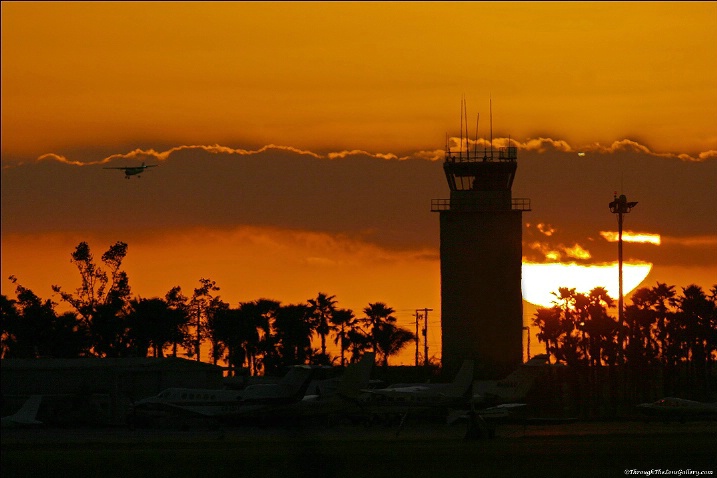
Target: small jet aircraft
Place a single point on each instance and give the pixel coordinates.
(512, 388)
(334, 399)
(394, 403)
(26, 416)
(462, 391)
(134, 170)
(458, 399)
(679, 409)
(222, 405)
(493, 401)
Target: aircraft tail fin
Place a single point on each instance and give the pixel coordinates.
(296, 382)
(27, 415)
(516, 385)
(356, 376)
(462, 385)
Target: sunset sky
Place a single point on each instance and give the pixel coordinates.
(300, 143)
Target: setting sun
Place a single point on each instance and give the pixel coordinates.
(540, 280)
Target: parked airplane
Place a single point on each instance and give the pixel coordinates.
(26, 416)
(223, 405)
(395, 402)
(458, 399)
(134, 170)
(493, 401)
(335, 398)
(679, 409)
(512, 388)
(404, 398)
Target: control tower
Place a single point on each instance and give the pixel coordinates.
(481, 262)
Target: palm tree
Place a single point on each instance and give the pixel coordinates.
(292, 329)
(259, 315)
(644, 317)
(322, 310)
(697, 314)
(549, 329)
(376, 315)
(380, 327)
(345, 322)
(391, 340)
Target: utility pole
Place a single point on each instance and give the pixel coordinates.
(424, 333)
(620, 206)
(417, 341)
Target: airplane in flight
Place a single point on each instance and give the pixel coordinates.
(134, 170)
(222, 405)
(679, 409)
(26, 416)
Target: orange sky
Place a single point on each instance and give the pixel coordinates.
(631, 84)
(378, 76)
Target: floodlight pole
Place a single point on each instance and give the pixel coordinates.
(620, 206)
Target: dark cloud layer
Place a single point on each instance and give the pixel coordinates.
(386, 201)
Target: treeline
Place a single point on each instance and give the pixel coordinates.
(262, 335)
(660, 327)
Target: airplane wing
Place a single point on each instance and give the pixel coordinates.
(499, 411)
(180, 410)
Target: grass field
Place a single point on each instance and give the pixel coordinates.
(576, 450)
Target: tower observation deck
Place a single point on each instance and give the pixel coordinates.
(481, 262)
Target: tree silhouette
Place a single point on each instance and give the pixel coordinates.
(101, 298)
(10, 323)
(391, 340)
(646, 318)
(233, 329)
(201, 306)
(31, 328)
(255, 337)
(578, 328)
(216, 306)
(178, 308)
(292, 334)
(70, 338)
(663, 328)
(549, 328)
(39, 332)
(345, 322)
(385, 337)
(598, 327)
(321, 320)
(153, 324)
(697, 315)
(32, 324)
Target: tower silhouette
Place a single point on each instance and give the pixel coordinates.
(481, 261)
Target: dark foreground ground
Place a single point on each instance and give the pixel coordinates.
(419, 450)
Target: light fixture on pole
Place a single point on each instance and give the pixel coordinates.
(620, 206)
